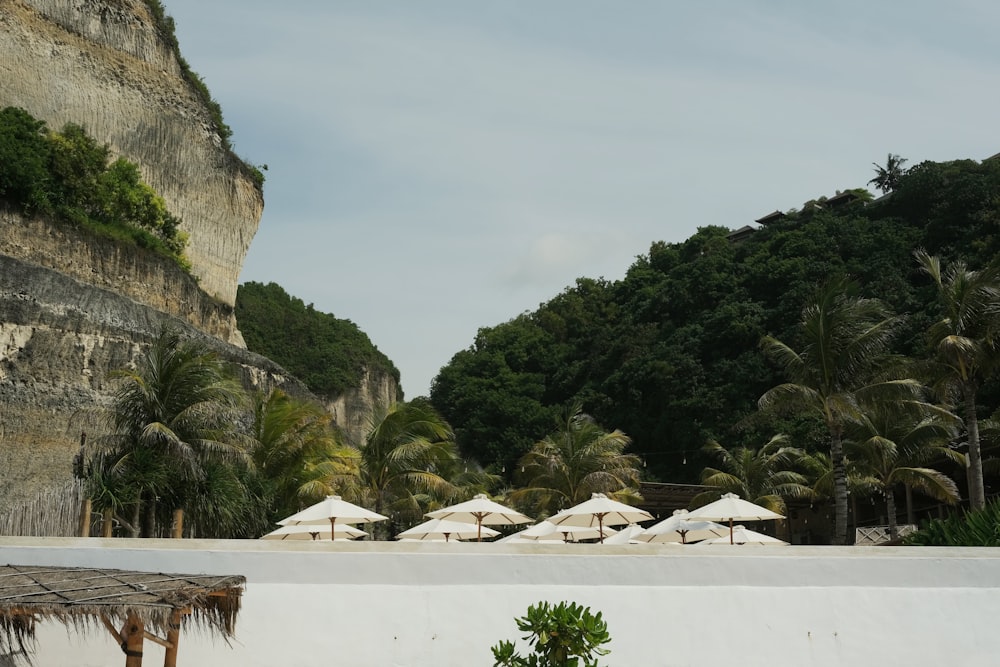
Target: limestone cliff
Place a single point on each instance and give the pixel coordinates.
(103, 64)
(73, 307)
(65, 324)
(353, 408)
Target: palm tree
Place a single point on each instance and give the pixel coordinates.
(887, 177)
(966, 346)
(765, 476)
(577, 460)
(845, 340)
(175, 413)
(290, 437)
(891, 441)
(399, 466)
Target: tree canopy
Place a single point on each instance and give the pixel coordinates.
(669, 353)
(328, 354)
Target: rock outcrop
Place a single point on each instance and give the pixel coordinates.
(104, 65)
(73, 307)
(62, 331)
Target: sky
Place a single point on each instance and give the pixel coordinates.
(440, 166)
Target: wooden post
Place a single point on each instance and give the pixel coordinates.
(133, 634)
(178, 529)
(173, 634)
(83, 528)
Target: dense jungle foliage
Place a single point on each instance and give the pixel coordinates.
(328, 354)
(69, 177)
(670, 353)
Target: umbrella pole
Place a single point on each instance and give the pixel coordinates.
(730, 530)
(600, 526)
(333, 527)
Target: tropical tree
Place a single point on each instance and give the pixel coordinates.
(887, 177)
(765, 476)
(289, 438)
(845, 341)
(579, 459)
(402, 462)
(890, 445)
(966, 345)
(171, 417)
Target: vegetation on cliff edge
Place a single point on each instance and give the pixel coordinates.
(69, 177)
(328, 354)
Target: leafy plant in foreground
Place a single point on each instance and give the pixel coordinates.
(563, 635)
(980, 528)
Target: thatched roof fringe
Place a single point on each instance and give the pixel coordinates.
(82, 597)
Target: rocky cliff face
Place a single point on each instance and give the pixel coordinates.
(63, 328)
(352, 410)
(72, 308)
(102, 64)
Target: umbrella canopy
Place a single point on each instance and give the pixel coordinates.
(680, 528)
(743, 536)
(600, 511)
(730, 507)
(481, 511)
(434, 529)
(546, 531)
(304, 531)
(332, 510)
(627, 535)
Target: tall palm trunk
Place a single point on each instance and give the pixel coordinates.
(839, 485)
(910, 517)
(977, 492)
(136, 514)
(890, 510)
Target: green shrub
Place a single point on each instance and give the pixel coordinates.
(66, 175)
(564, 635)
(973, 529)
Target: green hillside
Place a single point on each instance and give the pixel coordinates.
(669, 354)
(328, 354)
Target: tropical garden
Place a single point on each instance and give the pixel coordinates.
(841, 353)
(846, 349)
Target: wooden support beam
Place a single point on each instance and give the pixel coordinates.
(133, 633)
(83, 527)
(178, 529)
(111, 628)
(173, 636)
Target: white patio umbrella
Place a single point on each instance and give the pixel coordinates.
(332, 510)
(437, 528)
(627, 535)
(742, 535)
(546, 531)
(730, 507)
(600, 511)
(680, 528)
(481, 511)
(308, 532)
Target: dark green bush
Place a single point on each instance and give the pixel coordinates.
(66, 176)
(972, 529)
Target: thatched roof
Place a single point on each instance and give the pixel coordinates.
(84, 596)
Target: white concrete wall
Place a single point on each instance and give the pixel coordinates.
(433, 604)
